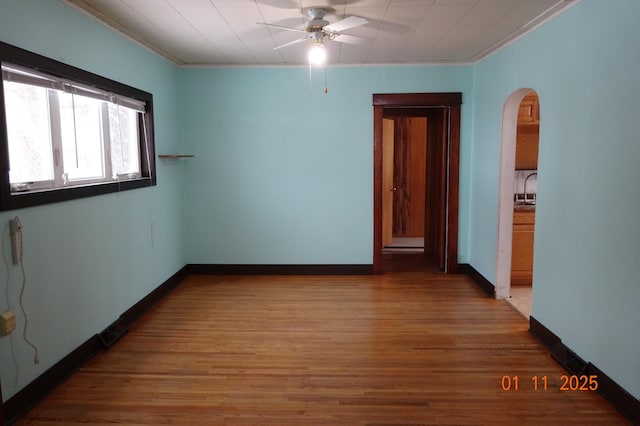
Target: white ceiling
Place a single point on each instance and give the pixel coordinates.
(225, 32)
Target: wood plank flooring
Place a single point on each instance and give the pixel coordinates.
(404, 348)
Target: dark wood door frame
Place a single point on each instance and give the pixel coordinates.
(450, 101)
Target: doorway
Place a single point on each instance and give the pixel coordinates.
(414, 182)
(404, 163)
(518, 199)
(439, 115)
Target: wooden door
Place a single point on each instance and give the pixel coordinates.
(436, 189)
(409, 168)
(387, 181)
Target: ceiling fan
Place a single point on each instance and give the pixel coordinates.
(317, 30)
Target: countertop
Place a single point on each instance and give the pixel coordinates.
(524, 207)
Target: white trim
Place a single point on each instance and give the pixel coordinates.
(329, 65)
(546, 16)
(98, 16)
(505, 192)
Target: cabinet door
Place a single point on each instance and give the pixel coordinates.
(527, 147)
(529, 112)
(522, 249)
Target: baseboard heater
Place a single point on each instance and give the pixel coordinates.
(569, 360)
(110, 335)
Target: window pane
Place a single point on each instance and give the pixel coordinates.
(27, 114)
(125, 146)
(81, 136)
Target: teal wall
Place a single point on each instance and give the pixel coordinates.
(281, 176)
(89, 260)
(584, 65)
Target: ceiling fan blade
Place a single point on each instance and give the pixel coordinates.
(346, 23)
(345, 38)
(281, 4)
(281, 27)
(290, 43)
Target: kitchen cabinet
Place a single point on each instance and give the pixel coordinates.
(529, 112)
(522, 246)
(528, 133)
(527, 148)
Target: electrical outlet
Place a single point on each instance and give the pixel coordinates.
(7, 323)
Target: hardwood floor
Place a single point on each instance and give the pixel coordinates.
(405, 348)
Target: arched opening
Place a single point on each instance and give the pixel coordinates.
(517, 194)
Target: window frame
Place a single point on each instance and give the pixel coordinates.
(9, 201)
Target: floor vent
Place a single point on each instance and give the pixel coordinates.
(112, 334)
(568, 359)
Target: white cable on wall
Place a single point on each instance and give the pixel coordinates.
(18, 258)
(36, 355)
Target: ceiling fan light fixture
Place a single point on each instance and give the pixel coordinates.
(317, 54)
(318, 30)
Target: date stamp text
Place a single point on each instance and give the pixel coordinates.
(568, 383)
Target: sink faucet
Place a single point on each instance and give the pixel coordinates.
(525, 188)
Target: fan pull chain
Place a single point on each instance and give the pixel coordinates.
(310, 84)
(326, 89)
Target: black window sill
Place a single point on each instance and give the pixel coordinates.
(21, 200)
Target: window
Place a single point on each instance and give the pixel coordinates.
(68, 133)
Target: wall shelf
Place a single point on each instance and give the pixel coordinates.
(174, 156)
